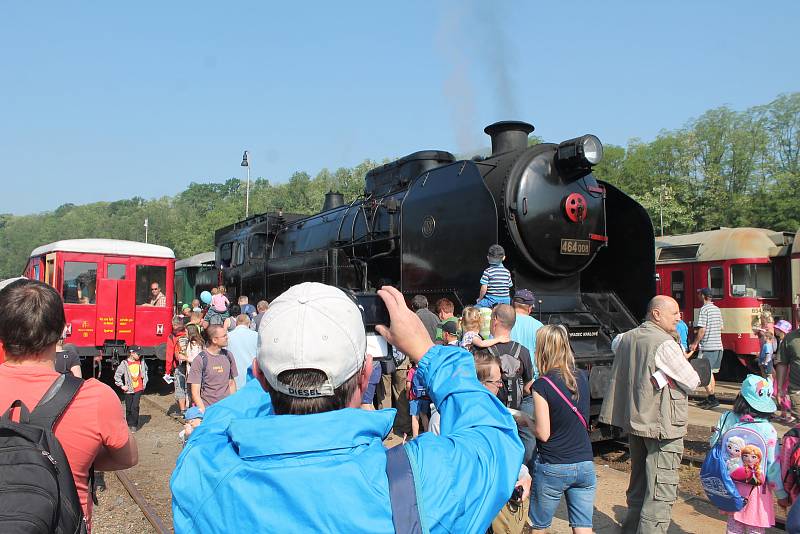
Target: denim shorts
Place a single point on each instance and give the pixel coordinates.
(179, 374)
(490, 301)
(419, 406)
(714, 357)
(575, 481)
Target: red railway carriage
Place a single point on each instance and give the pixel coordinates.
(116, 293)
(747, 269)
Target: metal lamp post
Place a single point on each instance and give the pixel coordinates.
(664, 196)
(246, 163)
(146, 225)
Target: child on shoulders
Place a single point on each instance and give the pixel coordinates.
(218, 311)
(496, 280)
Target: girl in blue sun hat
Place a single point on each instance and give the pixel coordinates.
(754, 451)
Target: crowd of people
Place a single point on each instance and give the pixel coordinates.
(284, 404)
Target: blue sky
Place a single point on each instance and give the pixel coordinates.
(108, 100)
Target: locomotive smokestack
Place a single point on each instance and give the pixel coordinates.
(332, 200)
(508, 136)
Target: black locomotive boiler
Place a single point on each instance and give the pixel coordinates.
(425, 222)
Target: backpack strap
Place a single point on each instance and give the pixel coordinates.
(203, 364)
(569, 402)
(55, 400)
(230, 364)
(24, 414)
(724, 420)
(402, 492)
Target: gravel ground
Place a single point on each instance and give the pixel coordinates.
(117, 512)
(159, 447)
(616, 457)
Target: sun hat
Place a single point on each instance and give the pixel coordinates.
(757, 391)
(784, 326)
(193, 413)
(312, 326)
(496, 253)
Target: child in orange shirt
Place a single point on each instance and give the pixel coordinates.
(131, 377)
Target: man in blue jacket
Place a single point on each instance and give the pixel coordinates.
(291, 452)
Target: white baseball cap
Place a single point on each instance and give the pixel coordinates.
(312, 326)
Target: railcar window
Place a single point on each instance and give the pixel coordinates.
(115, 271)
(36, 272)
(226, 254)
(716, 282)
(258, 245)
(80, 282)
(752, 280)
(151, 283)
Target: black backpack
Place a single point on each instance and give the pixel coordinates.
(38, 491)
(511, 373)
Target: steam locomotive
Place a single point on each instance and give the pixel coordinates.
(425, 222)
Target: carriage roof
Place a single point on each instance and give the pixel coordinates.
(204, 258)
(105, 246)
(723, 244)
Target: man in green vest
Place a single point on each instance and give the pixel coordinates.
(648, 399)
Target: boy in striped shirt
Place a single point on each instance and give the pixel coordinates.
(496, 280)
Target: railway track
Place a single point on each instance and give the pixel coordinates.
(147, 509)
(144, 488)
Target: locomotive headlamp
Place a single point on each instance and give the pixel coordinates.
(592, 149)
(579, 154)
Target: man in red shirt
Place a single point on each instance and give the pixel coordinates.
(92, 429)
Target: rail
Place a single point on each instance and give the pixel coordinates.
(146, 508)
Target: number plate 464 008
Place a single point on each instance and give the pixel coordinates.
(575, 247)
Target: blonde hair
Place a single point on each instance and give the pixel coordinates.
(471, 319)
(554, 353)
(754, 450)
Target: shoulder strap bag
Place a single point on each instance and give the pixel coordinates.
(569, 402)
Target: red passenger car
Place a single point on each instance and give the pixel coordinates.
(747, 269)
(116, 293)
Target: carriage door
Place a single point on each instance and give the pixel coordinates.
(115, 301)
(679, 290)
(50, 270)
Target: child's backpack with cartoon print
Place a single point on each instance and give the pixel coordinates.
(739, 455)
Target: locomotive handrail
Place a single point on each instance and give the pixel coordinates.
(344, 216)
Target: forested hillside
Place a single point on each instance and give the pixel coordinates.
(725, 168)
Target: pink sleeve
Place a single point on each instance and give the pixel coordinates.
(111, 419)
